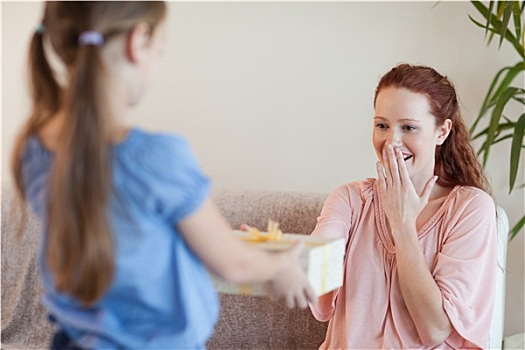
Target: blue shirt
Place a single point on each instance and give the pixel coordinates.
(161, 295)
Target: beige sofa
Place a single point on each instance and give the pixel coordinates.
(245, 322)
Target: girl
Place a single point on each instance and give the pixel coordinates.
(421, 239)
(128, 224)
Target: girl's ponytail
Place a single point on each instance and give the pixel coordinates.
(80, 246)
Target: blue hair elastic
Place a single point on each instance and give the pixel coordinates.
(90, 37)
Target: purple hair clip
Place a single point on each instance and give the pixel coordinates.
(90, 37)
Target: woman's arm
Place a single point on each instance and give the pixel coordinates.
(422, 295)
(210, 237)
(334, 221)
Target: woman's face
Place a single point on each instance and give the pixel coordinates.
(403, 120)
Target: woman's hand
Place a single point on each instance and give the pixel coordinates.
(401, 202)
(402, 205)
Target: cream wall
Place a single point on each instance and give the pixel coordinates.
(279, 95)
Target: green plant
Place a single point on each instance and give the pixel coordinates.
(504, 19)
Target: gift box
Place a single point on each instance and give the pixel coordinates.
(321, 258)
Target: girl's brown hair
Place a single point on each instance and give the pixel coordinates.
(79, 250)
(456, 162)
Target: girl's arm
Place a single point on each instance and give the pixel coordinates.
(420, 291)
(210, 237)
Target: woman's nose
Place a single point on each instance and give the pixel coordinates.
(393, 138)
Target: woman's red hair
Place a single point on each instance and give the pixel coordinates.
(456, 161)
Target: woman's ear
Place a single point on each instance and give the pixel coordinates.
(443, 131)
(137, 41)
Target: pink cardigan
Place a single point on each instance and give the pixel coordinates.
(460, 247)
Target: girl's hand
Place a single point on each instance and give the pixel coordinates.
(291, 282)
(239, 262)
(401, 202)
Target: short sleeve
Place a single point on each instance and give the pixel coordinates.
(335, 218)
(166, 176)
(465, 271)
(334, 221)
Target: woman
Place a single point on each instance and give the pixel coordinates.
(421, 252)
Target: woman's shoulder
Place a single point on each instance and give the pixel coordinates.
(361, 190)
(469, 200)
(473, 196)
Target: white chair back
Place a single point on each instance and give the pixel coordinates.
(498, 317)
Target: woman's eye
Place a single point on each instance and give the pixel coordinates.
(381, 126)
(409, 128)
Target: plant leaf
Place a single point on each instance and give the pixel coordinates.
(503, 138)
(491, 7)
(508, 79)
(507, 13)
(521, 186)
(501, 7)
(496, 115)
(515, 151)
(501, 127)
(516, 229)
(497, 140)
(485, 105)
(496, 28)
(487, 14)
(520, 100)
(516, 14)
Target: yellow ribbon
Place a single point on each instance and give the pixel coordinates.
(245, 289)
(273, 233)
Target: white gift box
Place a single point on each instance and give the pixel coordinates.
(321, 257)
